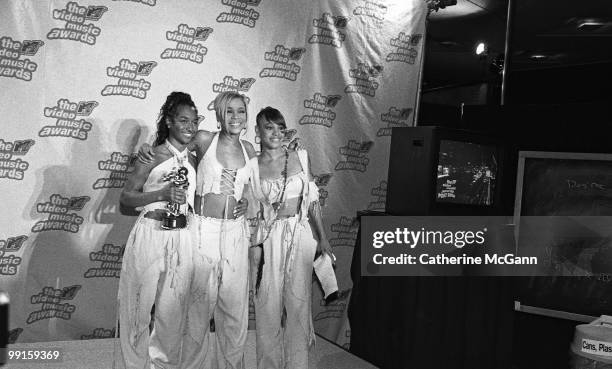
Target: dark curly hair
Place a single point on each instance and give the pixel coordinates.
(168, 110)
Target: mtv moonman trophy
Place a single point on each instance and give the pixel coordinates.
(173, 218)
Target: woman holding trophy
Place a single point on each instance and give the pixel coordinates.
(157, 262)
(220, 260)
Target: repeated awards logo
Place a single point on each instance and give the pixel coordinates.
(406, 48)
(328, 30)
(99, 333)
(110, 258)
(241, 12)
(355, 156)
(9, 263)
(145, 2)
(188, 45)
(52, 303)
(321, 113)
(394, 118)
(75, 28)
(284, 62)
(322, 180)
(60, 218)
(380, 196)
(229, 83)
(11, 65)
(120, 166)
(127, 73)
(365, 79)
(11, 167)
(345, 232)
(372, 9)
(68, 119)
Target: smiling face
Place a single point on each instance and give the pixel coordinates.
(234, 117)
(183, 124)
(270, 133)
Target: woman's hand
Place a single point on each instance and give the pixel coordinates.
(241, 207)
(146, 154)
(174, 194)
(323, 247)
(295, 145)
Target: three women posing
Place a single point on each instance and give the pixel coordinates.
(211, 258)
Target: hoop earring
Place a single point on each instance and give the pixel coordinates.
(257, 139)
(218, 125)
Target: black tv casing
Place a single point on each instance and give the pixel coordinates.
(413, 167)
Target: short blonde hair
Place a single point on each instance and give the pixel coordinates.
(223, 99)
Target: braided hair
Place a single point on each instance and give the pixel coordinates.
(168, 110)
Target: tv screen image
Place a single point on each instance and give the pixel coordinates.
(466, 173)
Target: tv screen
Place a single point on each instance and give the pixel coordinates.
(466, 173)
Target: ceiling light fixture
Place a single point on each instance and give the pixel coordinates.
(538, 56)
(589, 25)
(481, 49)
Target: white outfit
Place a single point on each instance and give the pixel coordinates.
(283, 341)
(156, 270)
(220, 285)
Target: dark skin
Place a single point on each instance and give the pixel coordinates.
(271, 165)
(229, 154)
(181, 129)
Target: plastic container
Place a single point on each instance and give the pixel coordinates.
(592, 345)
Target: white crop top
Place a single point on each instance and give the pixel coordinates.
(273, 188)
(155, 180)
(213, 178)
(266, 192)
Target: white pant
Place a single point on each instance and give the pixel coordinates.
(219, 289)
(157, 269)
(285, 288)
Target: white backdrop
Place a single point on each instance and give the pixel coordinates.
(81, 83)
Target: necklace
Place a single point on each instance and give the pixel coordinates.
(180, 157)
(277, 205)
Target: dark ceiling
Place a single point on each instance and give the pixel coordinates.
(548, 28)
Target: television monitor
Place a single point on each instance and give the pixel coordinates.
(442, 171)
(466, 173)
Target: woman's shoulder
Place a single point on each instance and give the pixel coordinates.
(162, 152)
(161, 155)
(203, 136)
(201, 141)
(248, 146)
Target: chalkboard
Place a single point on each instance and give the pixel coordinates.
(570, 193)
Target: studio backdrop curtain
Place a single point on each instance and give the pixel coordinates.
(82, 82)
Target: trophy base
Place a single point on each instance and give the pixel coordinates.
(174, 221)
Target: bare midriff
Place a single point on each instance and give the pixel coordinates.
(213, 205)
(289, 208)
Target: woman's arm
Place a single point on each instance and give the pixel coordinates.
(316, 221)
(199, 143)
(315, 217)
(132, 195)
